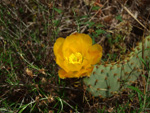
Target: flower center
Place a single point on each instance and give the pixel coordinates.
(75, 58)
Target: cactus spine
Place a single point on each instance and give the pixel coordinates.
(107, 79)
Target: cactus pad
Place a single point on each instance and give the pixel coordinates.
(109, 78)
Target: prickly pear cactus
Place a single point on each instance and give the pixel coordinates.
(109, 78)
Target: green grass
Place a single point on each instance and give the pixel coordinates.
(27, 34)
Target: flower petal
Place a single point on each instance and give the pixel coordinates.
(86, 43)
(57, 45)
(62, 74)
(84, 72)
(95, 53)
(75, 74)
(72, 67)
(58, 52)
(76, 42)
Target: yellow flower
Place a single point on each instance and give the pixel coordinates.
(76, 55)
